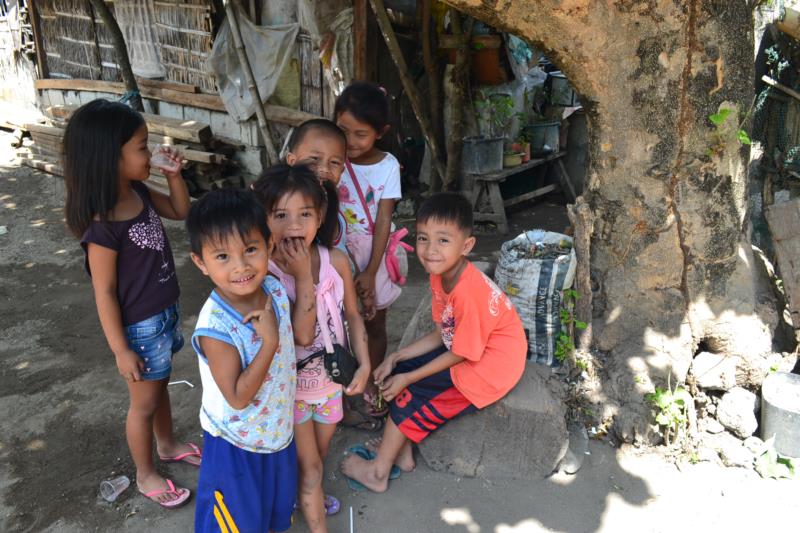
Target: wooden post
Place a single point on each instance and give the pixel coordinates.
(455, 135)
(428, 57)
(230, 10)
(41, 57)
(408, 84)
(360, 39)
(582, 220)
(123, 60)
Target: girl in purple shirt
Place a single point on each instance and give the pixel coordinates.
(128, 257)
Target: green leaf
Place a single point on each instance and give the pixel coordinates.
(719, 117)
(581, 325)
(743, 137)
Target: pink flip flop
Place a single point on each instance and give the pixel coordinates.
(182, 457)
(181, 495)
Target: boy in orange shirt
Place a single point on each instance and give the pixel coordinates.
(473, 358)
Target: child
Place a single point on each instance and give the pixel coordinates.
(243, 340)
(295, 202)
(320, 144)
(128, 257)
(483, 356)
(369, 189)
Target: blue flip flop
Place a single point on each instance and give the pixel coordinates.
(368, 455)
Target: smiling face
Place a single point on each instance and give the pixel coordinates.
(323, 152)
(361, 137)
(442, 247)
(134, 157)
(294, 216)
(236, 265)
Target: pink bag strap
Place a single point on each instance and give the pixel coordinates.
(360, 195)
(327, 306)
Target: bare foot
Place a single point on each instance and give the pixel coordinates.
(155, 482)
(404, 461)
(168, 453)
(363, 471)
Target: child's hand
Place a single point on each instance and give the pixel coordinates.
(264, 322)
(384, 369)
(168, 160)
(393, 385)
(365, 285)
(130, 365)
(359, 382)
(368, 308)
(294, 257)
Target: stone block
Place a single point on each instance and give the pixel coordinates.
(522, 436)
(195, 113)
(224, 125)
(736, 411)
(250, 133)
(72, 98)
(715, 371)
(169, 110)
(86, 96)
(251, 160)
(56, 96)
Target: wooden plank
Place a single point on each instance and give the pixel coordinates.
(784, 223)
(275, 113)
(168, 85)
(501, 175)
(80, 85)
(529, 195)
(46, 166)
(45, 130)
(205, 101)
(187, 130)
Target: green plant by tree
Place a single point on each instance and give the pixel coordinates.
(671, 408)
(565, 347)
(496, 110)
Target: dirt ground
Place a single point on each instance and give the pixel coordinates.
(62, 406)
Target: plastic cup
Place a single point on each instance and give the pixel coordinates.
(160, 159)
(110, 489)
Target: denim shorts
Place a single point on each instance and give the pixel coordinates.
(155, 339)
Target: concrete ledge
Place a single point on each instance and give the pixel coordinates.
(524, 435)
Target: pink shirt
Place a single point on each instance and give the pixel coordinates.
(313, 382)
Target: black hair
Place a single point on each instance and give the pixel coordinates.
(93, 142)
(447, 207)
(323, 125)
(282, 179)
(367, 102)
(223, 212)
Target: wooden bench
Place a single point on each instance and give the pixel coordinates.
(489, 185)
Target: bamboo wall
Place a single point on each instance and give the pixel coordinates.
(76, 43)
(184, 30)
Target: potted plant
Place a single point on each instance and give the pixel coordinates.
(484, 153)
(512, 158)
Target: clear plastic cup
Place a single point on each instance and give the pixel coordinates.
(160, 159)
(110, 489)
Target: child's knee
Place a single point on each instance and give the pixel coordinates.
(310, 474)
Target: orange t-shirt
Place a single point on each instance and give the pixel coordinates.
(480, 324)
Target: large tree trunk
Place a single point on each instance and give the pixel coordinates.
(671, 258)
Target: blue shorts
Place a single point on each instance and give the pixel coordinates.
(155, 339)
(245, 491)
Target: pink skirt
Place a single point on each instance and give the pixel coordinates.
(360, 247)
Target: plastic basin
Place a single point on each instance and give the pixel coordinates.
(780, 412)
